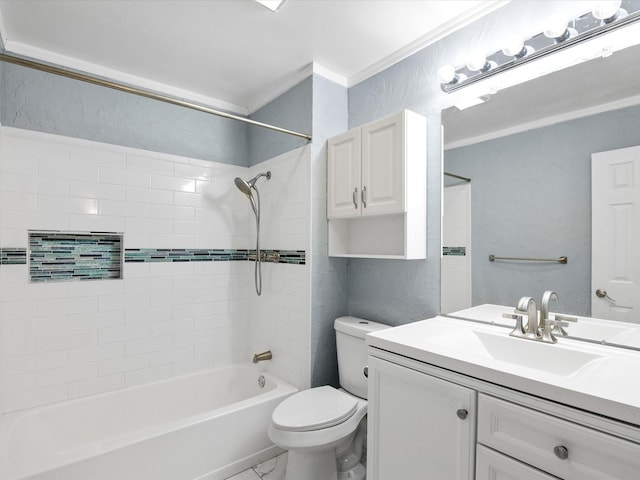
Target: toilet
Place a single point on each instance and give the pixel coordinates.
(324, 428)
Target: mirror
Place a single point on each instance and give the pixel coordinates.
(527, 152)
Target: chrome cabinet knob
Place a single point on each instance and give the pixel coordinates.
(561, 452)
(462, 413)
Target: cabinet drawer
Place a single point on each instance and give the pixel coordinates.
(540, 440)
(491, 465)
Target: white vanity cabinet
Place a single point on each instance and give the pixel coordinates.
(431, 423)
(376, 189)
(419, 427)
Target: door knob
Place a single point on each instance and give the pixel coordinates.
(462, 413)
(601, 293)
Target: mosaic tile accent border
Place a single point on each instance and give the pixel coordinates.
(13, 256)
(74, 256)
(151, 255)
(454, 251)
(71, 258)
(293, 257)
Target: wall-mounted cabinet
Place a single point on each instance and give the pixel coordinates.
(376, 199)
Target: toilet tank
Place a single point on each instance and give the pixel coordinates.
(352, 352)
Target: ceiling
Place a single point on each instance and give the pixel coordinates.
(231, 54)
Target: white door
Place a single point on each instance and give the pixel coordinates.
(419, 427)
(615, 233)
(343, 175)
(455, 281)
(383, 166)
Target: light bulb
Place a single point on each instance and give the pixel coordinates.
(514, 47)
(608, 10)
(557, 29)
(446, 74)
(477, 61)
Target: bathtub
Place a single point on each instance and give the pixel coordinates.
(205, 426)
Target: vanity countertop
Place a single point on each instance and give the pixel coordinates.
(589, 376)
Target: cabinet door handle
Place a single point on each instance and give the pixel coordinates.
(355, 198)
(462, 413)
(561, 452)
(365, 371)
(364, 196)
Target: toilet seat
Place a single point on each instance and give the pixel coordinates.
(314, 409)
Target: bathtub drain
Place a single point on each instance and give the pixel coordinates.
(261, 381)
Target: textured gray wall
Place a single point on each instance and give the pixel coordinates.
(40, 101)
(531, 196)
(328, 275)
(396, 291)
(291, 110)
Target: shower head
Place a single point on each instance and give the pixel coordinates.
(245, 186)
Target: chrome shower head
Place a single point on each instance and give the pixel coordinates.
(245, 186)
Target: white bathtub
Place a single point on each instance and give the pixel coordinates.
(209, 425)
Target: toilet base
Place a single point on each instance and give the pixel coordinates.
(312, 465)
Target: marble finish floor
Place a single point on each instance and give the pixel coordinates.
(272, 469)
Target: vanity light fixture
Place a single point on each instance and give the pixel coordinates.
(602, 31)
(273, 5)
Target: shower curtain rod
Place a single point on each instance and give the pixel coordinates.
(457, 176)
(136, 91)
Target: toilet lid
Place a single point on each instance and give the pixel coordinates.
(314, 409)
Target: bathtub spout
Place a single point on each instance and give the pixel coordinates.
(259, 357)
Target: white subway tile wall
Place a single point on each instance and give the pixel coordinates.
(64, 340)
(280, 317)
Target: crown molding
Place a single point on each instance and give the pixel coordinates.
(442, 31)
(269, 94)
(20, 49)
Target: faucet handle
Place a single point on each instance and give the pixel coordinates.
(518, 331)
(559, 327)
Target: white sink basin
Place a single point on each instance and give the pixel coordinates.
(552, 358)
(493, 347)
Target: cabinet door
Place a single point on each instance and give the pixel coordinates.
(419, 427)
(383, 166)
(495, 466)
(343, 175)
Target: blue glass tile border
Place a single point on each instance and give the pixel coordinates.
(13, 256)
(454, 251)
(56, 256)
(62, 265)
(152, 255)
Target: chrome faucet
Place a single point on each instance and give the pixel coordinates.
(543, 329)
(527, 305)
(545, 321)
(259, 357)
(550, 327)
